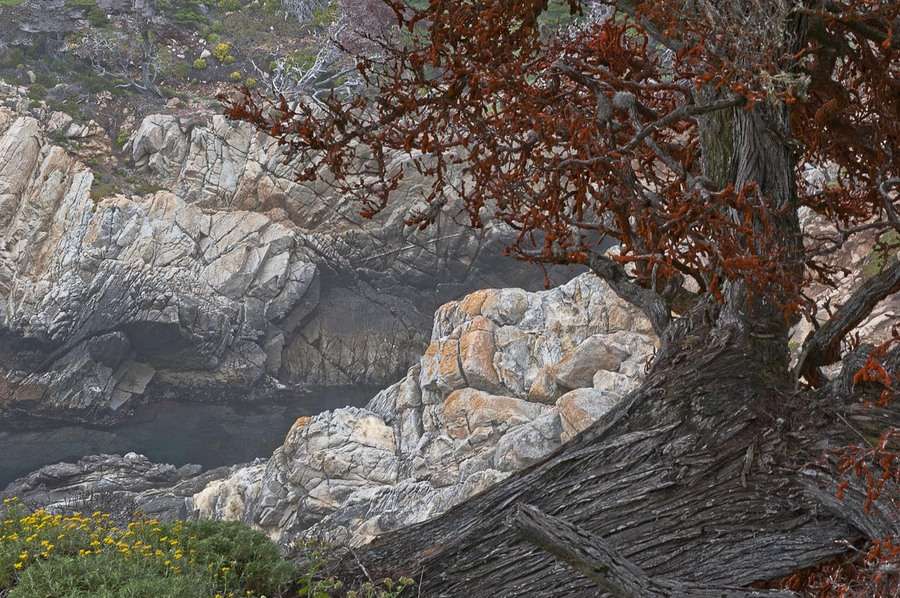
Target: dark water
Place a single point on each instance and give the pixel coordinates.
(173, 432)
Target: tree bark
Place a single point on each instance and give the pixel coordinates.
(609, 570)
(693, 478)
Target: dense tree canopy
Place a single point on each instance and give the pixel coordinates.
(610, 130)
(695, 135)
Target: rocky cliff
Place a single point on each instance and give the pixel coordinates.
(233, 282)
(507, 377)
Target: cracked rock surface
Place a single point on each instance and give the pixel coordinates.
(234, 282)
(491, 394)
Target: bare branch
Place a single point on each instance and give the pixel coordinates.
(682, 113)
(822, 347)
(651, 303)
(612, 572)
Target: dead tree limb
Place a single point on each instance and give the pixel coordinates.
(613, 573)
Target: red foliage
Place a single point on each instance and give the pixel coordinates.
(870, 573)
(577, 138)
(666, 128)
(874, 572)
(874, 371)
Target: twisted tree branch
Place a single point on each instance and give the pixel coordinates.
(613, 573)
(823, 346)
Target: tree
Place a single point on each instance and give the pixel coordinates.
(121, 52)
(693, 134)
(339, 29)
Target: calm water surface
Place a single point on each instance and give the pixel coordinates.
(174, 432)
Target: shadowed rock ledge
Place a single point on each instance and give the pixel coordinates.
(232, 283)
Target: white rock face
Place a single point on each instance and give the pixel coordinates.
(126, 291)
(235, 282)
(481, 404)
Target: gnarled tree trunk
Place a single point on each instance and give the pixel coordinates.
(696, 478)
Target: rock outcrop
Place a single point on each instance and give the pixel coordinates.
(381, 281)
(234, 283)
(101, 297)
(119, 485)
(508, 376)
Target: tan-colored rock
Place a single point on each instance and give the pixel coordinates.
(598, 352)
(544, 388)
(580, 408)
(300, 423)
(441, 366)
(470, 412)
(471, 303)
(476, 348)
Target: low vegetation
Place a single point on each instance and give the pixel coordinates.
(78, 555)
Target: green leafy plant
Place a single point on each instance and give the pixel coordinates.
(122, 137)
(37, 92)
(199, 64)
(881, 255)
(90, 556)
(95, 15)
(221, 51)
(186, 13)
(235, 76)
(323, 16)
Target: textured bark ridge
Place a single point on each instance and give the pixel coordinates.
(610, 571)
(693, 479)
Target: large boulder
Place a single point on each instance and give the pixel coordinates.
(119, 485)
(463, 418)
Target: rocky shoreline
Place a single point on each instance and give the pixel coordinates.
(508, 376)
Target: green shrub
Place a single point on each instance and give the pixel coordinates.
(11, 2)
(301, 59)
(199, 64)
(102, 188)
(323, 16)
(229, 5)
(229, 59)
(184, 12)
(271, 6)
(44, 555)
(221, 51)
(250, 82)
(37, 92)
(881, 255)
(95, 15)
(105, 576)
(11, 57)
(179, 71)
(122, 137)
(213, 38)
(235, 76)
